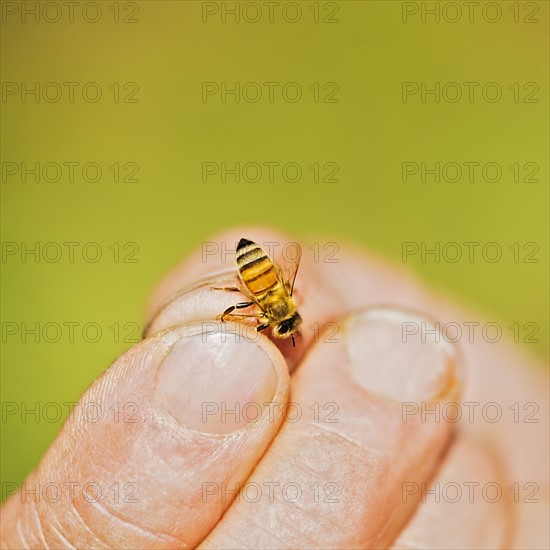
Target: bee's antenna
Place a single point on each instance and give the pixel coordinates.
(293, 342)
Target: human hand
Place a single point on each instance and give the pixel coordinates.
(343, 467)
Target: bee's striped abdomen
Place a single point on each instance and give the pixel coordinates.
(255, 268)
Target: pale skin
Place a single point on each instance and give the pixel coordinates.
(372, 459)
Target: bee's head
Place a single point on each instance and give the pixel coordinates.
(288, 326)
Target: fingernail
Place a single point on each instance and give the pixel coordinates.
(394, 354)
(215, 383)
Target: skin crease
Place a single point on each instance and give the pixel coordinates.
(370, 462)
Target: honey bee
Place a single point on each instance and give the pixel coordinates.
(263, 283)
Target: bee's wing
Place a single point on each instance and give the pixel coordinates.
(291, 269)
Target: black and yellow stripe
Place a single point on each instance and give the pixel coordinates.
(256, 269)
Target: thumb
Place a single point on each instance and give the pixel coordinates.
(184, 413)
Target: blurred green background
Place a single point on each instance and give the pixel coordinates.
(150, 59)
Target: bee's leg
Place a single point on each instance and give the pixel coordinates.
(228, 288)
(259, 328)
(236, 318)
(242, 305)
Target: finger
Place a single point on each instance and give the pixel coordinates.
(133, 476)
(467, 505)
(188, 294)
(337, 481)
(502, 376)
(502, 372)
(532, 513)
(357, 280)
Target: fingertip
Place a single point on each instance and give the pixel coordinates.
(181, 411)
